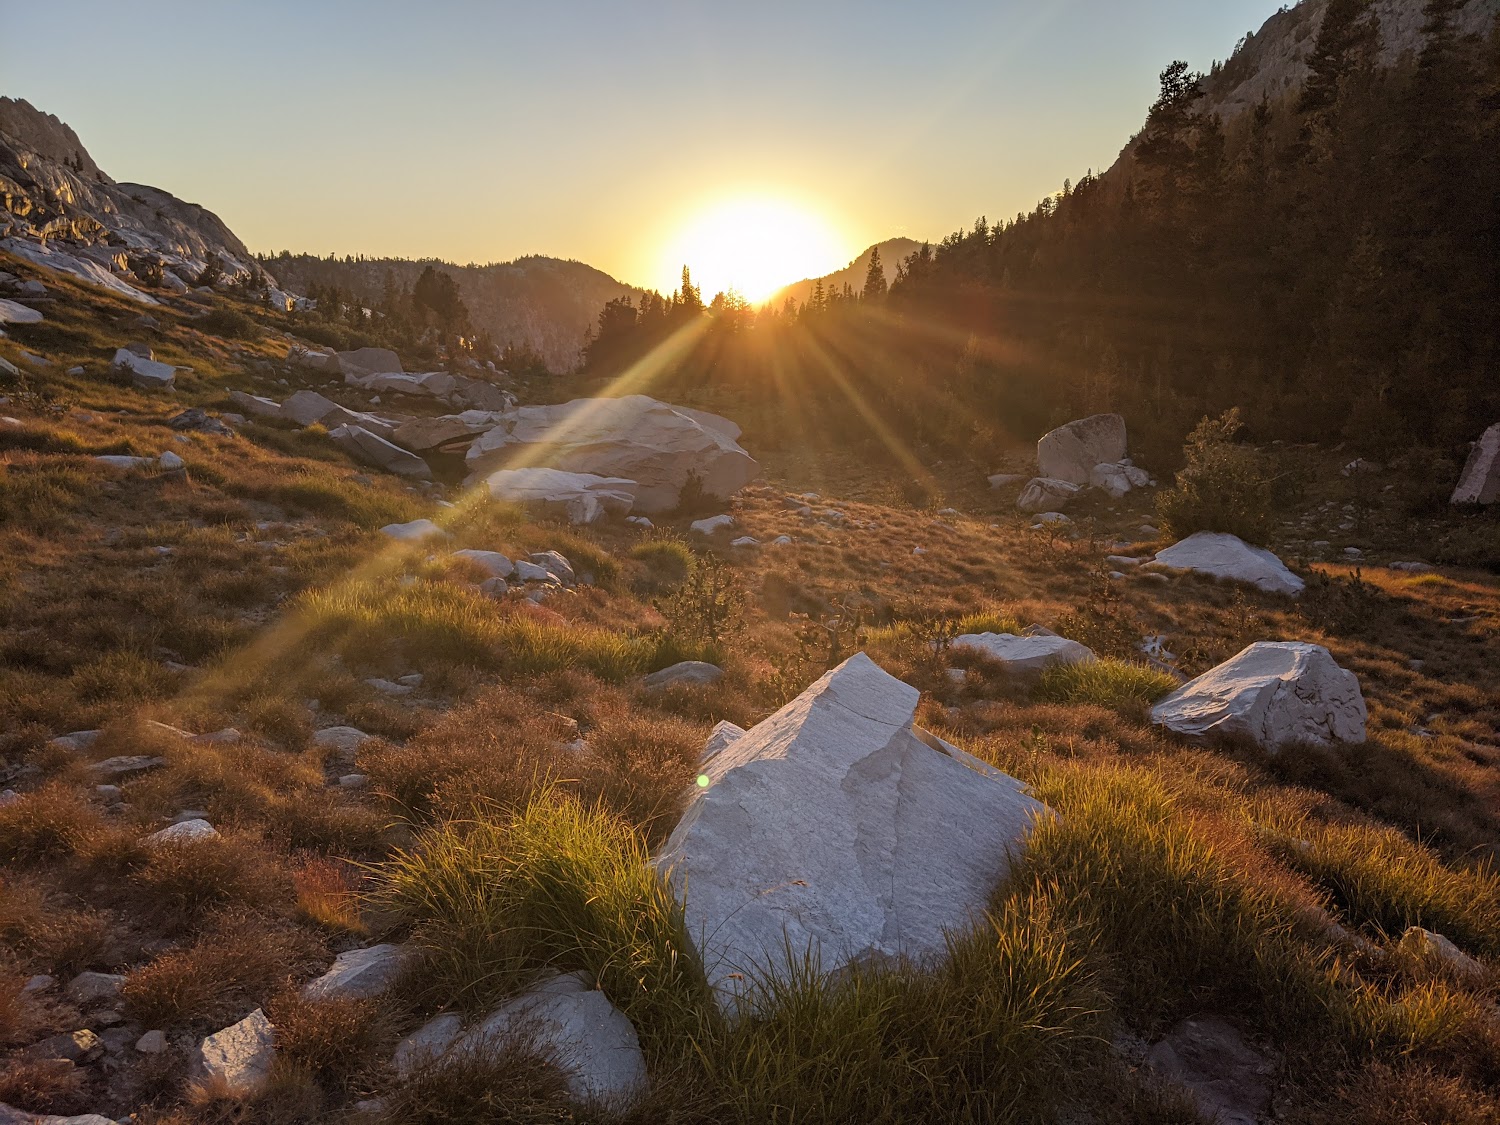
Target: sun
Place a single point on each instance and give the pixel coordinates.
(754, 246)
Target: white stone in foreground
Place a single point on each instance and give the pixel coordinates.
(1070, 452)
(573, 1025)
(577, 497)
(1480, 480)
(838, 829)
(1277, 693)
(240, 1056)
(184, 832)
(1230, 558)
(359, 974)
(1025, 654)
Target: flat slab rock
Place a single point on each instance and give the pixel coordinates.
(1229, 557)
(590, 1040)
(838, 829)
(1277, 693)
(1025, 654)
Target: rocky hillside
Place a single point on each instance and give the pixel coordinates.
(1272, 62)
(892, 252)
(62, 211)
(546, 304)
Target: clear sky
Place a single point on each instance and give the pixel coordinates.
(481, 131)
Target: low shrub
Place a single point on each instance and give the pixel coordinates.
(1224, 486)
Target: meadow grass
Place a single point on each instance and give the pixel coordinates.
(1116, 684)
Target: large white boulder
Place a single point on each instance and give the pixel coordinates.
(1277, 693)
(371, 449)
(1025, 654)
(638, 438)
(1070, 452)
(1229, 557)
(1045, 494)
(147, 374)
(588, 1038)
(576, 497)
(839, 830)
(1480, 481)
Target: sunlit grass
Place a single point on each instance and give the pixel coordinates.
(1115, 684)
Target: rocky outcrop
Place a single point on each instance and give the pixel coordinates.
(1230, 558)
(1480, 480)
(658, 446)
(1069, 453)
(575, 497)
(371, 449)
(1275, 693)
(839, 830)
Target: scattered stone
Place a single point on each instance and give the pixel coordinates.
(838, 829)
(1122, 562)
(1277, 693)
(359, 974)
(494, 587)
(372, 449)
(146, 374)
(1412, 567)
(386, 687)
(341, 740)
(153, 1042)
(556, 565)
(1435, 949)
(77, 742)
(1479, 483)
(240, 1056)
(713, 524)
(77, 1047)
(1148, 531)
(692, 673)
(1360, 467)
(1069, 453)
(745, 541)
(1043, 494)
(91, 990)
(1006, 480)
(171, 462)
(580, 498)
(527, 571)
(427, 1043)
(364, 361)
(640, 521)
(256, 405)
(1051, 519)
(198, 420)
(39, 983)
(354, 781)
(498, 565)
(13, 312)
(1025, 654)
(414, 532)
(1230, 558)
(1353, 553)
(1229, 1082)
(124, 461)
(781, 541)
(189, 831)
(1117, 479)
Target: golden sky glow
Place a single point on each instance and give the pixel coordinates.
(753, 244)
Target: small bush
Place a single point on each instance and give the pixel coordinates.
(333, 1038)
(1115, 684)
(1224, 486)
(187, 882)
(667, 564)
(52, 821)
(229, 323)
(706, 607)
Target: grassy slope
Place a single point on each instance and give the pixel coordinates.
(1180, 879)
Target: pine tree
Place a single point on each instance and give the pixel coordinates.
(875, 285)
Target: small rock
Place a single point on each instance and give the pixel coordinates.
(341, 740)
(386, 687)
(498, 565)
(39, 983)
(1025, 654)
(353, 781)
(189, 831)
(1229, 1082)
(359, 973)
(414, 532)
(696, 673)
(125, 765)
(1434, 948)
(712, 525)
(90, 989)
(494, 587)
(745, 541)
(555, 565)
(77, 1047)
(152, 1043)
(171, 462)
(531, 572)
(240, 1055)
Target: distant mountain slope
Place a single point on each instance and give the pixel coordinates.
(545, 303)
(892, 252)
(52, 192)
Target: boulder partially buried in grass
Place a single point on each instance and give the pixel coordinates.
(1276, 693)
(838, 830)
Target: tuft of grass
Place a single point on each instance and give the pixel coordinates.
(1382, 882)
(335, 1038)
(667, 563)
(558, 886)
(48, 823)
(1115, 684)
(187, 883)
(997, 1033)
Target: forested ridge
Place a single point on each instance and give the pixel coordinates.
(1328, 261)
